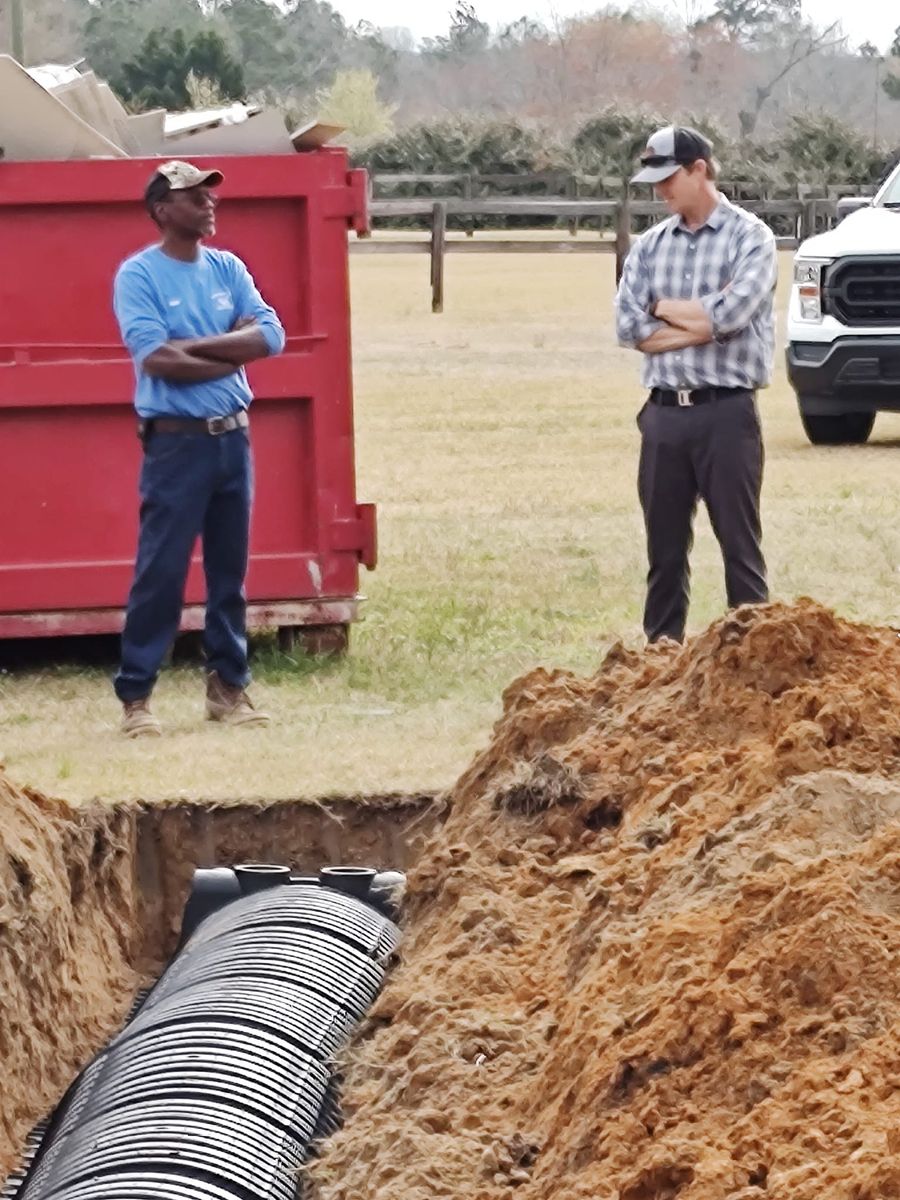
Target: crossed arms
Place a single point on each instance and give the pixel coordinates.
(684, 323)
(669, 324)
(199, 360)
(256, 333)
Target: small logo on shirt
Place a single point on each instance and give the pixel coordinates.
(174, 303)
(222, 300)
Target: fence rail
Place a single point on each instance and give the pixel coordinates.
(575, 185)
(794, 220)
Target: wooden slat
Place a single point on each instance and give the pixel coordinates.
(566, 181)
(536, 206)
(774, 208)
(540, 206)
(499, 179)
(518, 246)
(373, 246)
(506, 246)
(536, 177)
(512, 206)
(421, 207)
(403, 177)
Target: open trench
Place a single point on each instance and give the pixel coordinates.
(91, 902)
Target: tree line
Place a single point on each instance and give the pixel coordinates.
(758, 71)
(814, 151)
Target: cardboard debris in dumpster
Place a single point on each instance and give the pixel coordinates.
(97, 104)
(260, 133)
(34, 124)
(59, 112)
(148, 130)
(314, 134)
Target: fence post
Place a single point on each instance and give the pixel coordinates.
(808, 220)
(370, 190)
(623, 231)
(572, 194)
(438, 248)
(467, 195)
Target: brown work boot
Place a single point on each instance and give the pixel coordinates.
(230, 705)
(137, 719)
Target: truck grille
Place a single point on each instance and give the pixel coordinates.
(863, 291)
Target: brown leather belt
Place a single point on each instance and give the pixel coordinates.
(211, 425)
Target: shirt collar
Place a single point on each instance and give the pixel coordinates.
(714, 221)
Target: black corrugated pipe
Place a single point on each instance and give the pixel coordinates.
(220, 1082)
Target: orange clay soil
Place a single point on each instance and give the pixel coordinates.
(655, 951)
(67, 941)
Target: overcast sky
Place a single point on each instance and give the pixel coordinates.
(862, 20)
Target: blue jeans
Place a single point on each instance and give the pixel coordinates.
(192, 485)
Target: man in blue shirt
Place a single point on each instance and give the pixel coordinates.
(191, 318)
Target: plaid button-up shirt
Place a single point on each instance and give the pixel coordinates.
(730, 265)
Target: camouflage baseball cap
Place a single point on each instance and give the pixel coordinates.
(177, 176)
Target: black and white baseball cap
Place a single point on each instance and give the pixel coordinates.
(670, 149)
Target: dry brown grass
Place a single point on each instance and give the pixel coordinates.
(499, 442)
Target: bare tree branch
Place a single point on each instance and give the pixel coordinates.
(804, 46)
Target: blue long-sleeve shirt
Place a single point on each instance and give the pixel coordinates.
(158, 298)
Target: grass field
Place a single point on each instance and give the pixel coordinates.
(499, 442)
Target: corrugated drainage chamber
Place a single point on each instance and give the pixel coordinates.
(223, 1078)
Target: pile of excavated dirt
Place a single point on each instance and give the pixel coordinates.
(68, 934)
(655, 951)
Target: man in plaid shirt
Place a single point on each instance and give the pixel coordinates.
(696, 298)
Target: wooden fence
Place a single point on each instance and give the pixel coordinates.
(574, 185)
(800, 217)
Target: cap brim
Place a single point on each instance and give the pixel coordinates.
(210, 179)
(655, 174)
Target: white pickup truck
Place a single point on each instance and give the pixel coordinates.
(843, 353)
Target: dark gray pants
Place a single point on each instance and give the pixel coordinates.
(712, 452)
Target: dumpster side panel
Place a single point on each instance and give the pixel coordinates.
(69, 458)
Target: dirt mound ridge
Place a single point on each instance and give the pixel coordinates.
(68, 928)
(655, 952)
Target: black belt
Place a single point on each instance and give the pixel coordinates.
(211, 425)
(687, 399)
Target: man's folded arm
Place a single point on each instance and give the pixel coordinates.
(173, 363)
(634, 324)
(237, 348)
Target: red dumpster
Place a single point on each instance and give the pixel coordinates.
(69, 457)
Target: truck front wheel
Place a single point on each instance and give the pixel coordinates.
(843, 429)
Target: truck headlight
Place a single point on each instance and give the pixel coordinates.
(808, 281)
